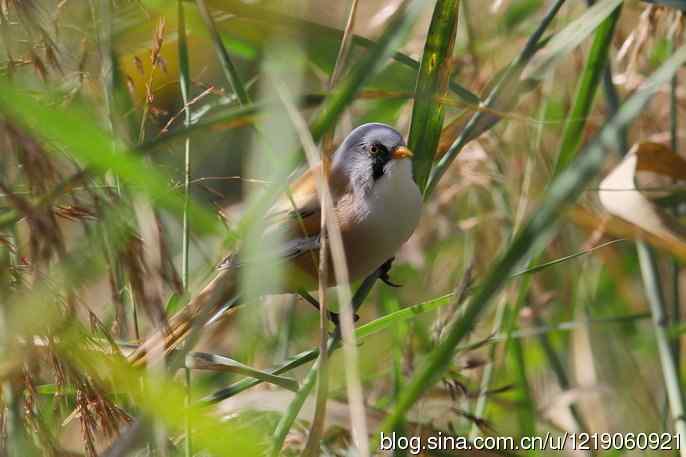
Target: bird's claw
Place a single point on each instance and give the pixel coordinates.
(336, 319)
(386, 280)
(385, 268)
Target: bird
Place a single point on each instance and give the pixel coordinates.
(377, 206)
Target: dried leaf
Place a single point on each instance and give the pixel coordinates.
(648, 171)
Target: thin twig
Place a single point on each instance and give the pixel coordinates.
(653, 290)
(185, 83)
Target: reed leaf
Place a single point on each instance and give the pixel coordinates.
(569, 38)
(230, 71)
(591, 75)
(432, 84)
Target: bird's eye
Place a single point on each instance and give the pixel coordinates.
(376, 149)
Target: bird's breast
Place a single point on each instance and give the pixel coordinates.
(385, 218)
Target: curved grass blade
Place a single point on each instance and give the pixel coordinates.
(215, 362)
(227, 64)
(240, 386)
(432, 83)
(569, 38)
(588, 85)
(545, 265)
(396, 30)
(538, 229)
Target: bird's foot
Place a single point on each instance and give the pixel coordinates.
(385, 268)
(335, 318)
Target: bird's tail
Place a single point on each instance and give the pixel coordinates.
(201, 308)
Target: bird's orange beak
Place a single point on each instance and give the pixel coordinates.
(401, 152)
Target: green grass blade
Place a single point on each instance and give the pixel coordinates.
(383, 322)
(396, 30)
(538, 229)
(185, 87)
(658, 309)
(570, 37)
(542, 266)
(587, 88)
(557, 367)
(296, 405)
(432, 83)
(234, 117)
(526, 408)
(240, 386)
(227, 64)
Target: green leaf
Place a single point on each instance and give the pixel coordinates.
(432, 83)
(569, 38)
(586, 90)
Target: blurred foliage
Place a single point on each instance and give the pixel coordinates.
(524, 309)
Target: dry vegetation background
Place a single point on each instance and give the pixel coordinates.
(94, 252)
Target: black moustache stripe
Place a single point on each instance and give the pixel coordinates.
(378, 165)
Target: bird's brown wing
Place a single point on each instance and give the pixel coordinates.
(294, 219)
(298, 212)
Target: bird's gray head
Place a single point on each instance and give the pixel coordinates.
(369, 153)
